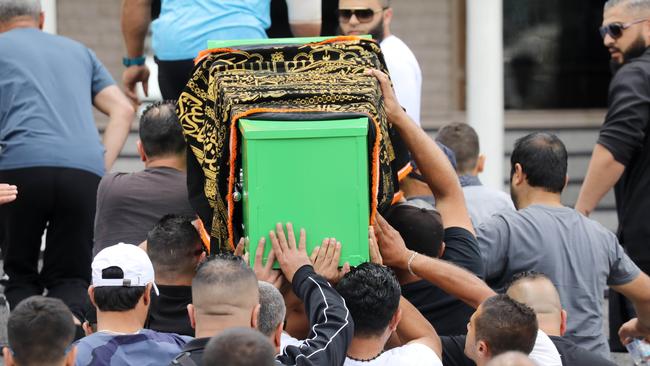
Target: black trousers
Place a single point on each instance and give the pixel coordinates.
(63, 201)
(172, 77)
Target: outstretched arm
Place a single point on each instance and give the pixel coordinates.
(452, 279)
(432, 162)
(415, 328)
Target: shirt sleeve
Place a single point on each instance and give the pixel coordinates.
(493, 241)
(461, 249)
(330, 321)
(101, 77)
(622, 269)
(624, 130)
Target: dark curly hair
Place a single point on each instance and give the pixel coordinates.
(372, 294)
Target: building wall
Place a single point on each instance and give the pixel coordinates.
(95, 23)
(429, 28)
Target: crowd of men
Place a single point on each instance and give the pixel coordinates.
(459, 273)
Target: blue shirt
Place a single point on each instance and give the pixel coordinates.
(47, 84)
(145, 348)
(184, 27)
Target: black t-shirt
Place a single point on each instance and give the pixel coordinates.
(626, 134)
(168, 311)
(574, 355)
(447, 314)
(453, 351)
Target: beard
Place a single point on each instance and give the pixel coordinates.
(513, 195)
(636, 49)
(377, 32)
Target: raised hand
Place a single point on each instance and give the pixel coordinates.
(290, 256)
(326, 261)
(391, 245)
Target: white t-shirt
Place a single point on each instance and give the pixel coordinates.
(405, 73)
(544, 353)
(410, 354)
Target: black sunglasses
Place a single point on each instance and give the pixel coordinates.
(615, 30)
(363, 15)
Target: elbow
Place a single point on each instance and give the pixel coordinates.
(124, 112)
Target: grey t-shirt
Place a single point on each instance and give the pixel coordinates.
(579, 255)
(483, 202)
(129, 204)
(47, 87)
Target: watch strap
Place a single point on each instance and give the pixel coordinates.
(127, 61)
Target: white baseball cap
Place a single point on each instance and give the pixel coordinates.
(133, 261)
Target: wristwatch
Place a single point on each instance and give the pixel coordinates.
(126, 61)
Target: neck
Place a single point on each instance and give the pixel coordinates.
(209, 326)
(536, 196)
(176, 162)
(548, 326)
(366, 348)
(119, 321)
(18, 22)
(174, 280)
(414, 188)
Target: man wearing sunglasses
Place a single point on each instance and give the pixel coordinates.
(621, 156)
(373, 17)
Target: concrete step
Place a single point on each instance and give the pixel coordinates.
(579, 142)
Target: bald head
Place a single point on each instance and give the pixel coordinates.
(511, 359)
(224, 294)
(538, 292)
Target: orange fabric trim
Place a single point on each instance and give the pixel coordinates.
(209, 51)
(204, 53)
(203, 234)
(342, 39)
(397, 197)
(404, 172)
(233, 154)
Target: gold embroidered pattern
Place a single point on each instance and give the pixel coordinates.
(318, 77)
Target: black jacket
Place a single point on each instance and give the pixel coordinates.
(329, 319)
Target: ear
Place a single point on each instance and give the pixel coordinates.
(255, 316)
(146, 297)
(518, 176)
(41, 20)
(441, 251)
(563, 317)
(191, 314)
(277, 337)
(483, 350)
(91, 295)
(480, 164)
(394, 321)
(566, 181)
(143, 156)
(388, 16)
(88, 330)
(8, 357)
(71, 356)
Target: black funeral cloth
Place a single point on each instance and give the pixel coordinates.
(316, 78)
